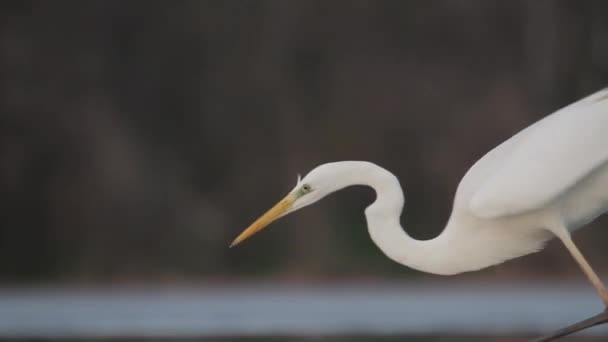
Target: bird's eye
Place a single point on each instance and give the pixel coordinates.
(306, 188)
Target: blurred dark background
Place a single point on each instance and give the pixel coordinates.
(137, 138)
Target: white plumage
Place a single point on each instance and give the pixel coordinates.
(545, 181)
(544, 161)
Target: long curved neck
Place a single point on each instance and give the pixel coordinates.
(464, 245)
(383, 220)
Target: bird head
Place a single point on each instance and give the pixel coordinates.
(317, 184)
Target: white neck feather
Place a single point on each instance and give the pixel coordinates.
(383, 223)
(383, 220)
(464, 245)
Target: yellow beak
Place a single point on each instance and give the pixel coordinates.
(270, 216)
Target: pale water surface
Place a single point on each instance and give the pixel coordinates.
(266, 312)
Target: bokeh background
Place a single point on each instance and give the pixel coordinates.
(138, 138)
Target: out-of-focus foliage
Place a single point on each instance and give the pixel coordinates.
(138, 137)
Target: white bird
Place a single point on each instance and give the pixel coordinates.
(546, 181)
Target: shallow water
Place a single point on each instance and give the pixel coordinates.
(254, 312)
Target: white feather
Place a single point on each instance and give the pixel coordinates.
(545, 160)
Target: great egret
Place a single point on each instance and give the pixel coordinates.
(547, 180)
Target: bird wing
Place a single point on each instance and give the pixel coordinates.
(547, 159)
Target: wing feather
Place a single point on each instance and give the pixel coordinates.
(550, 157)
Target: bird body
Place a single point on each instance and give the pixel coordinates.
(549, 179)
(540, 164)
(551, 175)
